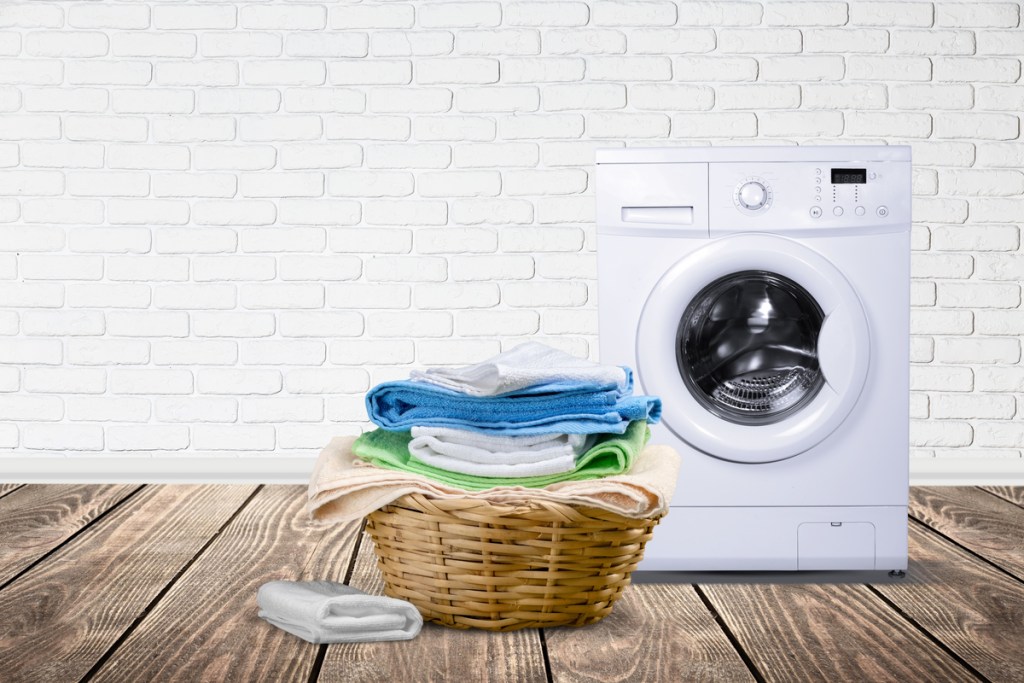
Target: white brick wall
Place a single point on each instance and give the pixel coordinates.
(221, 223)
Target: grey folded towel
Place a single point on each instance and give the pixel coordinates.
(330, 612)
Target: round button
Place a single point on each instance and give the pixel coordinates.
(883, 211)
(872, 175)
(818, 171)
(815, 212)
(753, 195)
(859, 211)
(817, 189)
(817, 199)
(838, 211)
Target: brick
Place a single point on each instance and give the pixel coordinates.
(289, 17)
(924, 321)
(280, 127)
(107, 240)
(498, 42)
(238, 100)
(715, 69)
(233, 437)
(930, 97)
(536, 126)
(31, 351)
(100, 72)
(629, 68)
(319, 212)
(283, 352)
(36, 72)
(976, 69)
(233, 212)
(546, 13)
(918, 406)
(22, 183)
(672, 97)
(759, 41)
(574, 153)
(194, 185)
(456, 70)
(21, 407)
(66, 44)
(887, 123)
(371, 352)
(232, 268)
(363, 240)
(84, 128)
(362, 183)
(975, 126)
(446, 296)
(888, 68)
(845, 40)
(1000, 267)
(232, 324)
(31, 15)
(997, 210)
(459, 184)
(407, 324)
(1001, 323)
(147, 324)
(971, 238)
(991, 183)
(454, 128)
(584, 41)
(1000, 42)
(371, 127)
(283, 409)
(371, 16)
(335, 100)
(242, 44)
(459, 14)
(383, 156)
(999, 434)
(844, 96)
(519, 183)
(306, 72)
(147, 212)
(108, 409)
(934, 210)
(405, 269)
(195, 240)
(940, 433)
(752, 97)
(410, 100)
(194, 16)
(567, 266)
(321, 324)
(1001, 97)
(514, 154)
(147, 43)
(547, 70)
(234, 157)
(627, 125)
(61, 155)
(320, 267)
(281, 296)
(1000, 379)
(148, 157)
(805, 14)
(64, 100)
(195, 352)
(409, 44)
(491, 211)
(565, 210)
(196, 409)
(671, 41)
(65, 380)
(275, 240)
(941, 378)
(177, 128)
(978, 295)
(60, 267)
(496, 323)
(363, 296)
(498, 99)
(194, 296)
(290, 184)
(543, 294)
(974, 351)
(977, 15)
(32, 238)
(370, 72)
(932, 42)
(891, 14)
(497, 267)
(104, 295)
(230, 381)
(714, 125)
(569, 321)
(107, 351)
(326, 44)
(145, 381)
(10, 43)
(30, 127)
(63, 211)
(91, 15)
(818, 68)
(1009, 154)
(152, 101)
(450, 240)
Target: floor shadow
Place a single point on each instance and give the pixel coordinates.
(807, 577)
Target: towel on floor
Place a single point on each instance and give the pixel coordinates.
(343, 488)
(459, 450)
(329, 612)
(528, 365)
(404, 404)
(612, 454)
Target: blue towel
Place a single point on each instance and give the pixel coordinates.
(574, 409)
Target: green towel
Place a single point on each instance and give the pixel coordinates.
(612, 454)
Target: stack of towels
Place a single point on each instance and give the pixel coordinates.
(531, 417)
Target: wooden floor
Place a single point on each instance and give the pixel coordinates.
(158, 583)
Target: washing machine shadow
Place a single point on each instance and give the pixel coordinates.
(917, 573)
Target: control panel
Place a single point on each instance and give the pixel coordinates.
(806, 197)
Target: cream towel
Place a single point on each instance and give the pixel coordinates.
(483, 455)
(525, 366)
(343, 488)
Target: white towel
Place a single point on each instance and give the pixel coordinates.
(330, 612)
(524, 366)
(482, 455)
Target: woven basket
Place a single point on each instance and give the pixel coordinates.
(468, 563)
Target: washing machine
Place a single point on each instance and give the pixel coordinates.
(764, 294)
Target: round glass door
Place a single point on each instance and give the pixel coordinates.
(746, 347)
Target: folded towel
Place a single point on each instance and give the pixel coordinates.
(527, 365)
(401, 405)
(459, 450)
(343, 488)
(329, 612)
(612, 454)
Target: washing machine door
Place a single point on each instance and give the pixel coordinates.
(757, 345)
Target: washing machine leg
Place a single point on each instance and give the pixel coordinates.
(897, 574)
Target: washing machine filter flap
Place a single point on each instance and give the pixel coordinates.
(758, 346)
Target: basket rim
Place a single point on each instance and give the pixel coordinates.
(555, 511)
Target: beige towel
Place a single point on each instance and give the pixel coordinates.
(344, 488)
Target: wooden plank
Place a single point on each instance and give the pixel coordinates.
(58, 619)
(972, 608)
(206, 628)
(7, 488)
(989, 526)
(36, 519)
(807, 632)
(437, 653)
(1014, 494)
(657, 632)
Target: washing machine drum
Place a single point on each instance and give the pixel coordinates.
(758, 346)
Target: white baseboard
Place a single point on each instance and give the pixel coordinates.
(296, 470)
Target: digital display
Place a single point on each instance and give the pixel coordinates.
(849, 176)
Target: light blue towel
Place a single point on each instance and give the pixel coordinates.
(563, 408)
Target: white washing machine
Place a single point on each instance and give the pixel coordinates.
(764, 294)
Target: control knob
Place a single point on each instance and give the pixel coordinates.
(752, 195)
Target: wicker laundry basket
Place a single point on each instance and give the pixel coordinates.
(468, 563)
